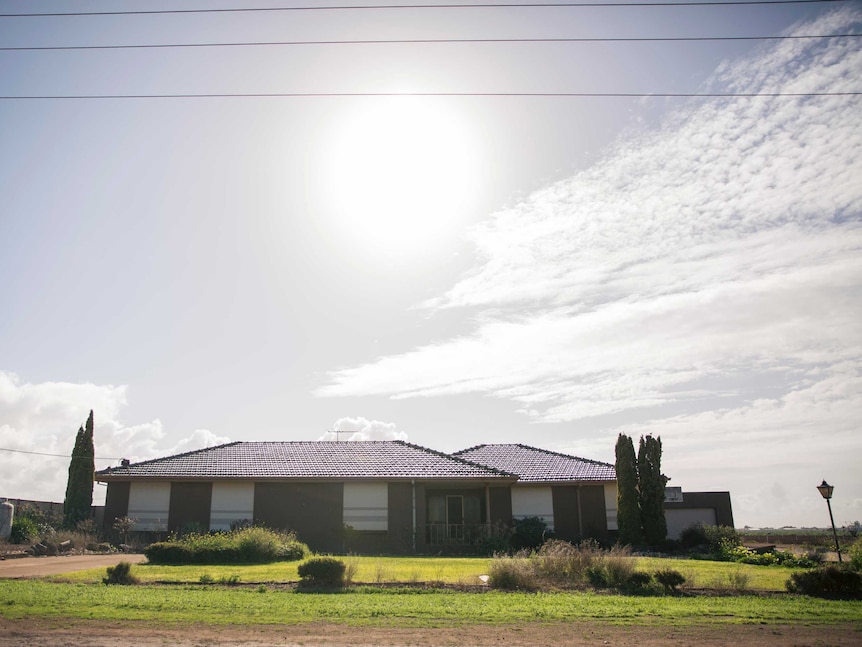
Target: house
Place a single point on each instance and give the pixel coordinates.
(379, 496)
(375, 496)
(684, 509)
(575, 497)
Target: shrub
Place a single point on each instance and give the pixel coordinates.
(561, 561)
(738, 581)
(245, 546)
(670, 579)
(120, 574)
(717, 539)
(597, 576)
(322, 572)
(530, 533)
(618, 564)
(639, 582)
(24, 531)
(513, 574)
(827, 582)
(855, 555)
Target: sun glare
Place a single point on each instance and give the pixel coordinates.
(399, 175)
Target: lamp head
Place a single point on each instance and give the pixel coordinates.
(825, 490)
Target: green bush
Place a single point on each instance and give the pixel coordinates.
(120, 574)
(24, 531)
(855, 555)
(640, 582)
(245, 546)
(597, 576)
(322, 572)
(529, 533)
(827, 582)
(718, 540)
(670, 579)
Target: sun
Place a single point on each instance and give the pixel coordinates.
(399, 175)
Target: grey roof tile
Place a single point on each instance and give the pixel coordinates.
(538, 465)
(308, 460)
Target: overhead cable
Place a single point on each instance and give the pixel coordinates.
(423, 41)
(277, 95)
(490, 5)
(23, 451)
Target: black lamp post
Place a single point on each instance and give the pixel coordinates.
(826, 491)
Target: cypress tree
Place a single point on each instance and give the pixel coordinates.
(628, 513)
(79, 488)
(651, 484)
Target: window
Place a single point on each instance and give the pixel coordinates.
(366, 506)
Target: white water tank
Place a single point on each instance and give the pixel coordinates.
(7, 515)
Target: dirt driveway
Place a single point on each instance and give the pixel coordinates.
(39, 566)
(56, 633)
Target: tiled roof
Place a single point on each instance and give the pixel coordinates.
(308, 460)
(538, 465)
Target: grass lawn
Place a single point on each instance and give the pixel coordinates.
(21, 599)
(705, 574)
(449, 570)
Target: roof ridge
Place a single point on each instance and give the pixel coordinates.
(457, 458)
(469, 449)
(560, 454)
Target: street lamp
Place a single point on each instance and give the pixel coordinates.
(826, 491)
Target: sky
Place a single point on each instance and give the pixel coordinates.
(446, 270)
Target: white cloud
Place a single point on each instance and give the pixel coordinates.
(353, 429)
(701, 282)
(43, 418)
(725, 244)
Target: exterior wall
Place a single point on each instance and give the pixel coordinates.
(149, 504)
(313, 510)
(116, 503)
(421, 516)
(680, 519)
(567, 522)
(712, 508)
(529, 501)
(401, 517)
(593, 513)
(231, 501)
(190, 504)
(501, 505)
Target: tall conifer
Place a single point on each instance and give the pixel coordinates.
(79, 488)
(651, 484)
(628, 512)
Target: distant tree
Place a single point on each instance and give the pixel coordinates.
(651, 484)
(79, 487)
(628, 510)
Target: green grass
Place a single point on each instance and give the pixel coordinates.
(21, 599)
(703, 574)
(449, 570)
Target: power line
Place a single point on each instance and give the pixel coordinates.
(282, 95)
(494, 5)
(427, 41)
(22, 451)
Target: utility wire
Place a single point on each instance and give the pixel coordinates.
(22, 451)
(425, 41)
(495, 5)
(275, 95)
